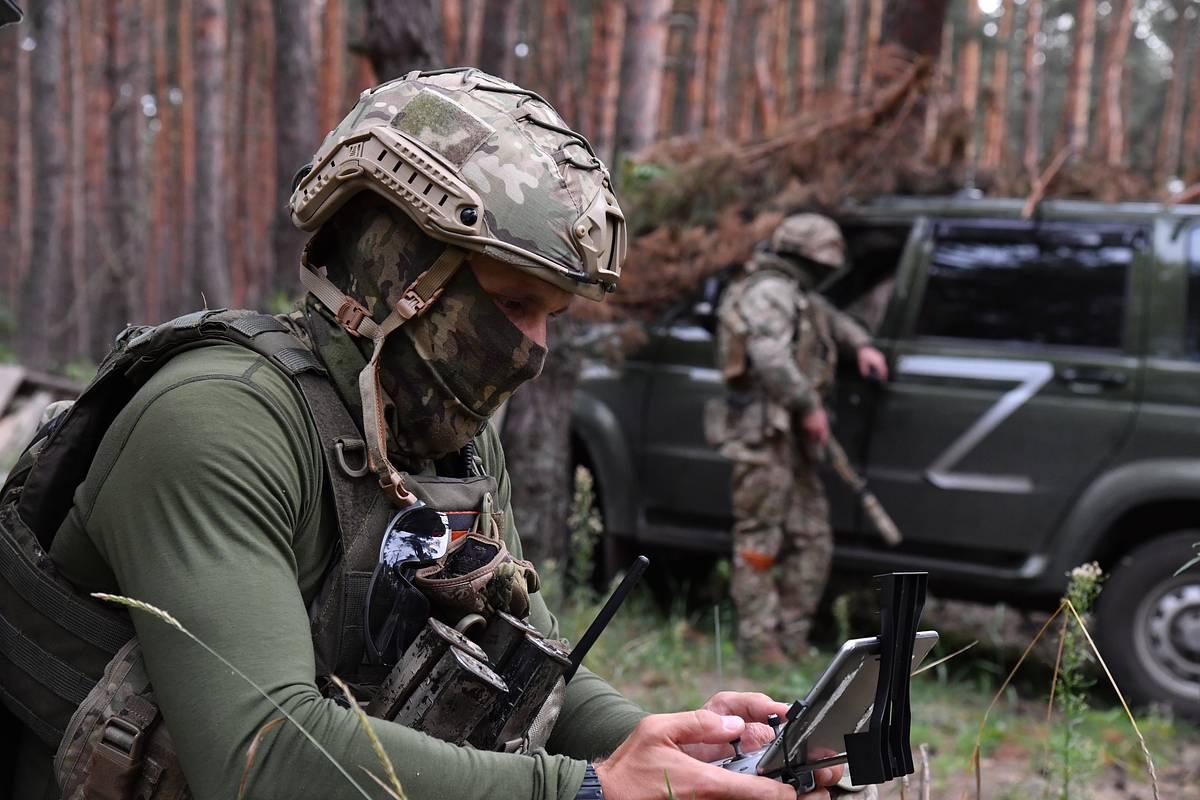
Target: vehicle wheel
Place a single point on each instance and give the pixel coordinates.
(1148, 624)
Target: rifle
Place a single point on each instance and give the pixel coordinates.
(882, 522)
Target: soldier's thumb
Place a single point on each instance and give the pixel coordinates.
(700, 727)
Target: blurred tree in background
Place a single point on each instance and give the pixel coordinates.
(150, 144)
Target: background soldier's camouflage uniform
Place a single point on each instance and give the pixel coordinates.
(777, 347)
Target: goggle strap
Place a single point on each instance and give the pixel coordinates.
(426, 288)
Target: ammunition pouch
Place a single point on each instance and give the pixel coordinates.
(503, 693)
(479, 576)
(116, 746)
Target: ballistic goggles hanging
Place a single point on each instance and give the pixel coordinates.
(395, 610)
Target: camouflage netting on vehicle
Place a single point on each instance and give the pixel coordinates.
(695, 207)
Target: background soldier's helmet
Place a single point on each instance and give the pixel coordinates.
(479, 163)
(810, 236)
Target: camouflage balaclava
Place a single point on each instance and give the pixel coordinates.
(447, 371)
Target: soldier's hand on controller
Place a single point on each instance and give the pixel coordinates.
(656, 749)
(815, 425)
(753, 708)
(871, 363)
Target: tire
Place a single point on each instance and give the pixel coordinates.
(1148, 624)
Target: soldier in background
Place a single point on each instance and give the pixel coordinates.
(777, 348)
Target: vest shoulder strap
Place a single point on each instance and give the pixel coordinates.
(65, 449)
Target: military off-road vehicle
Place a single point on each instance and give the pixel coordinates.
(1043, 411)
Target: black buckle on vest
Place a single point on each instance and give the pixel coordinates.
(122, 736)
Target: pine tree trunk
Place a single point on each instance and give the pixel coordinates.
(940, 97)
(604, 73)
(9, 247)
(1111, 121)
(783, 73)
(697, 83)
(452, 31)
(397, 43)
(295, 124)
(743, 75)
(331, 92)
(672, 62)
(25, 166)
(161, 128)
(1079, 99)
(119, 292)
(1191, 137)
(642, 60)
(41, 309)
(995, 126)
(968, 73)
(77, 260)
(186, 296)
(98, 196)
(1171, 131)
(473, 14)
(212, 267)
(499, 37)
(847, 69)
(562, 75)
(871, 47)
(811, 56)
(1032, 91)
(261, 142)
(716, 116)
(236, 59)
(764, 86)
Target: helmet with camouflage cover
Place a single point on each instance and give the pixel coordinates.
(476, 165)
(479, 163)
(810, 236)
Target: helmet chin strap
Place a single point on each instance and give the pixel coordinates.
(356, 320)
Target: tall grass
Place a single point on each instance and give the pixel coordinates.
(394, 790)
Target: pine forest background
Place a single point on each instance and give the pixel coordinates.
(147, 146)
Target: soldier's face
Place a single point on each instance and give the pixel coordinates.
(528, 302)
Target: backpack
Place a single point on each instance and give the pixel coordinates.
(57, 642)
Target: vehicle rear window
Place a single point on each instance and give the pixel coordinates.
(1062, 285)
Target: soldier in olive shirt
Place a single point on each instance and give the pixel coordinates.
(210, 494)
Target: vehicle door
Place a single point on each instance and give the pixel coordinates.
(684, 481)
(1014, 379)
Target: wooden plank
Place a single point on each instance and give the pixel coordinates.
(18, 428)
(11, 377)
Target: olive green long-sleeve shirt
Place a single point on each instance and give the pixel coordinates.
(207, 499)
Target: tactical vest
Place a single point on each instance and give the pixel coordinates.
(70, 667)
(814, 347)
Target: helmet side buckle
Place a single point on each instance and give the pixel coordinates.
(351, 315)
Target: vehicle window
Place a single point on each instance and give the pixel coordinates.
(866, 288)
(1047, 287)
(1193, 266)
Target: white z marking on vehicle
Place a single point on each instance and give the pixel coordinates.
(1030, 377)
